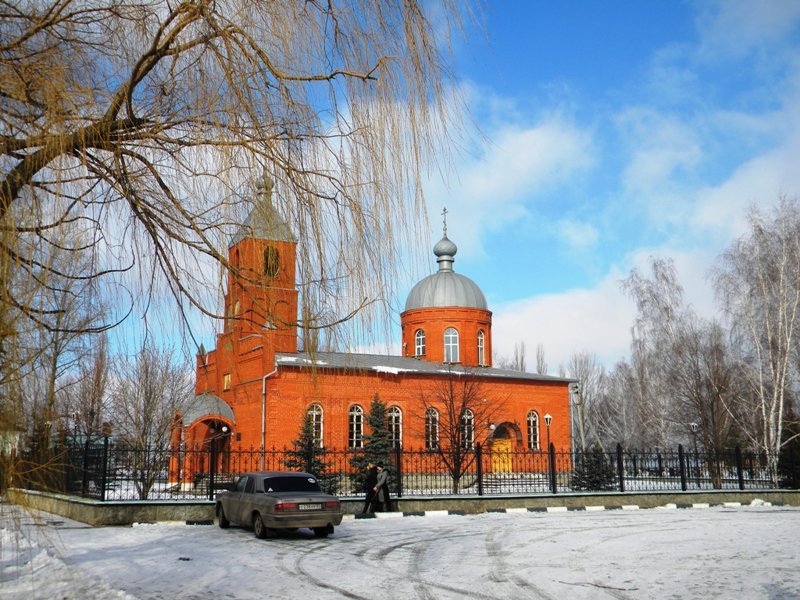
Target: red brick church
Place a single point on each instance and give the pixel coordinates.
(254, 388)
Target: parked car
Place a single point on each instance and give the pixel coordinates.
(275, 500)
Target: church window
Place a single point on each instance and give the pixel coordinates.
(226, 381)
(316, 416)
(236, 308)
(533, 430)
(431, 429)
(450, 345)
(272, 263)
(468, 429)
(355, 432)
(419, 343)
(395, 423)
(481, 347)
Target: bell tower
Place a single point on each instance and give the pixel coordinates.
(261, 298)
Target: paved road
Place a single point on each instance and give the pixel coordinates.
(746, 553)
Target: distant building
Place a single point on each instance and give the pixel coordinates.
(255, 387)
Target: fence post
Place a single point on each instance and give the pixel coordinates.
(212, 469)
(551, 451)
(479, 469)
(85, 478)
(103, 476)
(740, 467)
(398, 465)
(620, 468)
(682, 461)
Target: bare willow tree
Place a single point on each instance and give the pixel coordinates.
(758, 279)
(463, 415)
(137, 122)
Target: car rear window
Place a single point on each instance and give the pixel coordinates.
(291, 484)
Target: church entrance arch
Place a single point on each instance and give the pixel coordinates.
(501, 446)
(202, 437)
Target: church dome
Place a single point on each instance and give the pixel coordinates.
(446, 287)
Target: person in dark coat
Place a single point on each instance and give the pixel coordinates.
(381, 490)
(370, 482)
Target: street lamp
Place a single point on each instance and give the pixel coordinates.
(551, 458)
(548, 418)
(694, 427)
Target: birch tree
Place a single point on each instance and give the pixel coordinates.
(758, 280)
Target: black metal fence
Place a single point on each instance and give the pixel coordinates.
(103, 470)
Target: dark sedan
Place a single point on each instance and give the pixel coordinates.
(276, 500)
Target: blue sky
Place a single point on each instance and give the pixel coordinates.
(614, 131)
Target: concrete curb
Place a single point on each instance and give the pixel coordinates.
(558, 509)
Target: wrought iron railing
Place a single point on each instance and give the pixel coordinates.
(104, 470)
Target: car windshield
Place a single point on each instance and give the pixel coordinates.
(291, 484)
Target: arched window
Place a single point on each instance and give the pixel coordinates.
(533, 430)
(431, 429)
(315, 414)
(236, 308)
(481, 346)
(468, 425)
(419, 343)
(355, 430)
(450, 345)
(394, 418)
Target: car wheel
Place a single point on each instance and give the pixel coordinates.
(224, 523)
(258, 527)
(323, 532)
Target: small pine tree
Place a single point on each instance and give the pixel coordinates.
(593, 471)
(377, 445)
(305, 455)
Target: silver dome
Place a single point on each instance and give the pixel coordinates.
(446, 287)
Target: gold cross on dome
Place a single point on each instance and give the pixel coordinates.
(444, 218)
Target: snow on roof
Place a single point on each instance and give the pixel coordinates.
(396, 365)
(390, 370)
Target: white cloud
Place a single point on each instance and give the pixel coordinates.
(596, 320)
(731, 29)
(578, 235)
(759, 181)
(493, 187)
(661, 146)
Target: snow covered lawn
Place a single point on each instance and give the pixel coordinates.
(742, 552)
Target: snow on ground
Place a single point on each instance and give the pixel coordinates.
(741, 552)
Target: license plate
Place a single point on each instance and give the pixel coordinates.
(309, 507)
